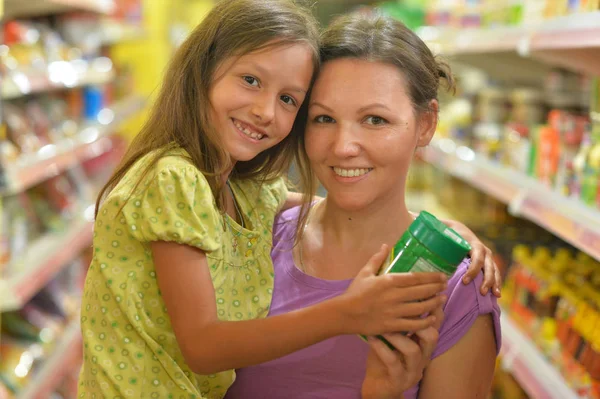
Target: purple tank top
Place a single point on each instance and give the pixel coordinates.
(335, 368)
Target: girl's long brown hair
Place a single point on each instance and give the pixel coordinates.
(180, 115)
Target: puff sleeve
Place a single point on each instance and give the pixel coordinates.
(174, 203)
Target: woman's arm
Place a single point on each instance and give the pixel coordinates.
(371, 305)
(466, 369)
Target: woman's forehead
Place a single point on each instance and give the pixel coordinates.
(360, 78)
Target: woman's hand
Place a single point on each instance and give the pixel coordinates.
(389, 303)
(481, 258)
(390, 373)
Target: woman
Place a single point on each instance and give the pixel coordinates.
(373, 104)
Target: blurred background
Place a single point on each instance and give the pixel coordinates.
(516, 157)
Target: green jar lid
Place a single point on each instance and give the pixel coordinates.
(439, 238)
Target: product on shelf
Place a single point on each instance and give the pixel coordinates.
(31, 334)
(521, 129)
(551, 290)
(549, 295)
(493, 13)
(44, 209)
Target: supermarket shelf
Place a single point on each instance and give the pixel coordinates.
(43, 259)
(32, 8)
(91, 141)
(58, 75)
(427, 201)
(525, 362)
(119, 32)
(526, 197)
(568, 41)
(65, 357)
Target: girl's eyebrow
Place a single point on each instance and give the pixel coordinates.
(264, 71)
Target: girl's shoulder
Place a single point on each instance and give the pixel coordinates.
(174, 159)
(166, 199)
(175, 164)
(258, 194)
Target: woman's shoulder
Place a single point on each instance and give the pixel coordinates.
(464, 305)
(285, 226)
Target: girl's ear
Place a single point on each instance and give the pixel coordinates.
(428, 124)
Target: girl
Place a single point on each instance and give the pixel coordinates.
(373, 104)
(181, 278)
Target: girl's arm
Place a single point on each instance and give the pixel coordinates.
(371, 305)
(481, 255)
(295, 199)
(465, 370)
(481, 258)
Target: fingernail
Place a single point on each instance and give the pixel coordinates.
(497, 290)
(466, 280)
(484, 291)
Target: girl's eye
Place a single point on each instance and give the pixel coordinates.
(289, 100)
(375, 120)
(324, 119)
(251, 80)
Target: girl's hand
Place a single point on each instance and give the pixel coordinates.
(389, 303)
(390, 373)
(481, 258)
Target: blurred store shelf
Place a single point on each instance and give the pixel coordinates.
(64, 359)
(526, 197)
(58, 75)
(91, 141)
(568, 41)
(529, 367)
(43, 259)
(34, 8)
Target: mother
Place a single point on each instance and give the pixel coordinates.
(373, 104)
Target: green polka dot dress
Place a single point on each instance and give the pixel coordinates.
(130, 350)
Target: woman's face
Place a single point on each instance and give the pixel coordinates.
(362, 132)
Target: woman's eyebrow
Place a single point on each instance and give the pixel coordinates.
(317, 104)
(374, 105)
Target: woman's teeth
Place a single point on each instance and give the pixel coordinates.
(247, 132)
(351, 172)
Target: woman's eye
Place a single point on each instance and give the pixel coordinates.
(289, 100)
(251, 80)
(375, 120)
(324, 119)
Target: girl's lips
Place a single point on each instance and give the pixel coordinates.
(246, 136)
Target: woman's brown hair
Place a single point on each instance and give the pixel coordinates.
(378, 38)
(180, 115)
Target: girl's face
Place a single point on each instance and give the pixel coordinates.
(362, 132)
(255, 98)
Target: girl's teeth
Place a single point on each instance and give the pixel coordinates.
(256, 136)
